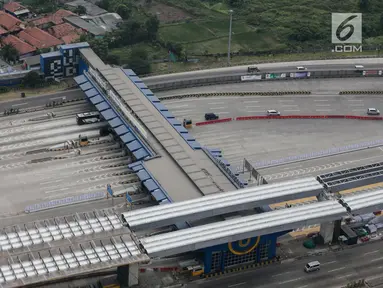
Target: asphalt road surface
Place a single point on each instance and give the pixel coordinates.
(32, 174)
(323, 87)
(343, 64)
(337, 269)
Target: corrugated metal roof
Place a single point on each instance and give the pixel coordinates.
(133, 146)
(140, 154)
(150, 185)
(80, 79)
(102, 106)
(97, 99)
(127, 138)
(115, 122)
(86, 86)
(223, 203)
(91, 93)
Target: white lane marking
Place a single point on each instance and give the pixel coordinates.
(215, 103)
(292, 280)
(293, 167)
(253, 106)
(326, 263)
(320, 100)
(286, 100)
(235, 285)
(358, 110)
(182, 111)
(292, 110)
(55, 98)
(56, 190)
(371, 252)
(381, 149)
(179, 106)
(289, 105)
(276, 275)
(304, 286)
(223, 113)
(337, 269)
(356, 105)
(245, 102)
(256, 111)
(344, 276)
(20, 104)
(376, 259)
(217, 108)
(49, 182)
(358, 100)
(323, 110)
(323, 105)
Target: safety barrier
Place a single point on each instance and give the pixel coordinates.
(230, 94)
(244, 118)
(213, 121)
(359, 92)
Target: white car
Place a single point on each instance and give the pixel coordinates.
(273, 113)
(301, 68)
(373, 111)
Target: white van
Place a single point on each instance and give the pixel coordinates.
(300, 68)
(359, 67)
(312, 266)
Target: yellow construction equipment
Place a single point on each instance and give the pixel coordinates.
(188, 123)
(83, 140)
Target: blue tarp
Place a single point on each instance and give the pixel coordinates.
(167, 114)
(181, 129)
(80, 79)
(134, 145)
(158, 195)
(127, 138)
(143, 175)
(96, 100)
(102, 106)
(140, 154)
(160, 107)
(108, 114)
(91, 93)
(115, 122)
(121, 130)
(86, 86)
(150, 185)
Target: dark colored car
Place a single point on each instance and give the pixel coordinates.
(211, 116)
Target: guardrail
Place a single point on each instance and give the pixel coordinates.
(213, 121)
(359, 92)
(244, 118)
(230, 94)
(174, 83)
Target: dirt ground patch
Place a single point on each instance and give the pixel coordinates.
(168, 14)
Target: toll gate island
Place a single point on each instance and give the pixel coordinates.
(224, 228)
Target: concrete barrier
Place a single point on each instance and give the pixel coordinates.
(174, 83)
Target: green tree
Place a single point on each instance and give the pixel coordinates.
(32, 79)
(138, 61)
(9, 53)
(100, 47)
(80, 10)
(124, 11)
(152, 25)
(363, 4)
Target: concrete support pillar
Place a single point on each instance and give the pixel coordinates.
(127, 275)
(327, 231)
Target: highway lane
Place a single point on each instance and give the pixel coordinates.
(287, 105)
(326, 87)
(316, 65)
(337, 269)
(275, 139)
(41, 100)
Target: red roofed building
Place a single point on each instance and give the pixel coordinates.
(71, 38)
(38, 38)
(64, 29)
(9, 22)
(22, 47)
(16, 9)
(55, 19)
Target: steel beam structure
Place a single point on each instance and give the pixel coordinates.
(364, 202)
(223, 203)
(196, 238)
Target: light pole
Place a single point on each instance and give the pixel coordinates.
(228, 48)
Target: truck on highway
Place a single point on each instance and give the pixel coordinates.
(88, 117)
